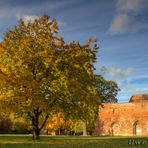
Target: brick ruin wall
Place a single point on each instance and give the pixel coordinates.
(126, 119)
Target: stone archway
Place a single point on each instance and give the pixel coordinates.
(115, 129)
(137, 129)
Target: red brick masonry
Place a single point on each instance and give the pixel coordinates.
(126, 119)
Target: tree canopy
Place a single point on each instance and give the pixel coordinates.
(41, 74)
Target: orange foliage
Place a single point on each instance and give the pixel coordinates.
(57, 120)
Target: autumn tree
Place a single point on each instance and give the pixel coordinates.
(28, 69)
(40, 73)
(78, 70)
(59, 124)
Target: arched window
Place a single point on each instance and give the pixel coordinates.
(137, 129)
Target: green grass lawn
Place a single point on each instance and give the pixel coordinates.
(25, 141)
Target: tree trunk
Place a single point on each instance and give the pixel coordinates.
(36, 134)
(35, 123)
(84, 128)
(96, 128)
(59, 131)
(97, 123)
(34, 116)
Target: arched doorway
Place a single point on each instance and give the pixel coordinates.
(115, 129)
(137, 129)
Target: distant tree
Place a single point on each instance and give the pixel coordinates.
(59, 124)
(106, 89)
(5, 126)
(20, 123)
(106, 92)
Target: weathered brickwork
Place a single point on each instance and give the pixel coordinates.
(127, 119)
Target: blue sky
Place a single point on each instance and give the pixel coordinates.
(121, 27)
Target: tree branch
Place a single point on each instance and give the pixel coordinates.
(44, 122)
(29, 114)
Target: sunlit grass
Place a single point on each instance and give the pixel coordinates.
(25, 141)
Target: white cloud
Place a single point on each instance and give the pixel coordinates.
(27, 18)
(134, 89)
(128, 90)
(125, 21)
(117, 72)
(134, 6)
(120, 24)
(124, 77)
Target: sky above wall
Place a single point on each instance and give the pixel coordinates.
(121, 27)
